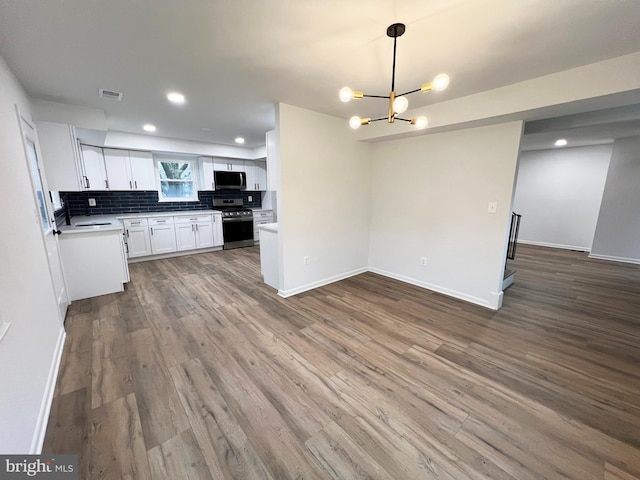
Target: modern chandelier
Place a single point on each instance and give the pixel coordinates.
(398, 103)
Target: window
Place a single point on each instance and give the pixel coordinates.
(176, 178)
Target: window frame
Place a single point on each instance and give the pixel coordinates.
(193, 162)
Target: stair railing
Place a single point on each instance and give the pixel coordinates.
(513, 235)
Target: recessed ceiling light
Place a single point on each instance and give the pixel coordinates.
(205, 129)
(175, 97)
(147, 127)
(560, 142)
(239, 140)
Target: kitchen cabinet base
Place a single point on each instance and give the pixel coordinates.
(174, 254)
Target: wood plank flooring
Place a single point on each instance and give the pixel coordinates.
(200, 371)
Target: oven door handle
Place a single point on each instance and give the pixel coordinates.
(225, 220)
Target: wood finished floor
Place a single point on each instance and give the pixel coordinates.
(198, 370)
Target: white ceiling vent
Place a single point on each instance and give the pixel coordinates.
(110, 94)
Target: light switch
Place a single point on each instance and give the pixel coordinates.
(493, 207)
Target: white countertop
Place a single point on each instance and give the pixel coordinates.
(269, 227)
(109, 222)
(179, 213)
(113, 222)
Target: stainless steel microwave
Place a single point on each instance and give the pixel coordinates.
(230, 180)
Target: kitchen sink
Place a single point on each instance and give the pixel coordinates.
(92, 224)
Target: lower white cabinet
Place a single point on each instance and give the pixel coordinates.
(194, 232)
(218, 240)
(166, 234)
(89, 273)
(162, 235)
(136, 233)
(260, 217)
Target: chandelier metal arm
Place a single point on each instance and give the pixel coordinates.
(378, 119)
(407, 93)
(376, 96)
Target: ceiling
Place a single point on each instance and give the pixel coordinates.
(234, 60)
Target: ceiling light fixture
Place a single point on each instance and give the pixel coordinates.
(398, 103)
(147, 127)
(175, 97)
(239, 140)
(560, 142)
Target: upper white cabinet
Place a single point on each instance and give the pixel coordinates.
(256, 175)
(129, 170)
(207, 182)
(228, 164)
(60, 155)
(273, 160)
(94, 174)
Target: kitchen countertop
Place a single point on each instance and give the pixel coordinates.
(269, 227)
(113, 222)
(110, 223)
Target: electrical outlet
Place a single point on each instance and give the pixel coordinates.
(92, 202)
(423, 261)
(250, 198)
(493, 207)
(305, 260)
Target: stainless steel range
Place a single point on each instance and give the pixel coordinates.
(237, 222)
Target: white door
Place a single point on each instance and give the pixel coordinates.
(204, 234)
(142, 171)
(116, 163)
(217, 230)
(163, 239)
(95, 175)
(138, 241)
(46, 218)
(185, 236)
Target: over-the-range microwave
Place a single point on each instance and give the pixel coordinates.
(230, 180)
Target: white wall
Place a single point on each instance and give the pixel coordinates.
(27, 298)
(430, 199)
(617, 234)
(558, 194)
(323, 199)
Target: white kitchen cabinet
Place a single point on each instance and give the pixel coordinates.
(273, 160)
(129, 170)
(60, 156)
(256, 175)
(194, 232)
(260, 217)
(228, 164)
(94, 172)
(137, 237)
(118, 170)
(94, 263)
(218, 240)
(162, 235)
(142, 171)
(207, 181)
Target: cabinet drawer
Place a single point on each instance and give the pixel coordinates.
(192, 219)
(135, 222)
(161, 221)
(262, 215)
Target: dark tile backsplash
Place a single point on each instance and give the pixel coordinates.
(139, 202)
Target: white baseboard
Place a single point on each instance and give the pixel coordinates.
(554, 245)
(494, 305)
(45, 408)
(635, 261)
(320, 283)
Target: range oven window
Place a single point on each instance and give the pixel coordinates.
(237, 231)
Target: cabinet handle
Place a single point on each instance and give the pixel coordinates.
(135, 182)
(196, 227)
(127, 233)
(86, 182)
(106, 183)
(130, 186)
(192, 229)
(151, 230)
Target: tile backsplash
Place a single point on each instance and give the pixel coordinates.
(108, 203)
